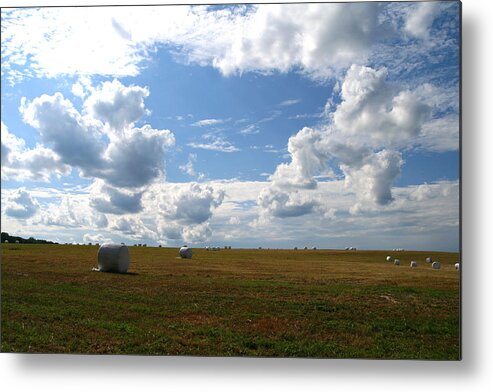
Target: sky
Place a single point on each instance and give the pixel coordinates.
(327, 125)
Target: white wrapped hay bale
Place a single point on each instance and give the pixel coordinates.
(429, 260)
(414, 264)
(113, 258)
(457, 266)
(397, 262)
(389, 258)
(185, 252)
(436, 265)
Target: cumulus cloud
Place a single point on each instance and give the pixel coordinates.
(134, 228)
(96, 238)
(113, 201)
(21, 163)
(372, 181)
(307, 159)
(420, 19)
(284, 205)
(313, 38)
(197, 233)
(137, 158)
(192, 204)
(21, 205)
(116, 104)
(362, 138)
(373, 114)
(77, 140)
(133, 157)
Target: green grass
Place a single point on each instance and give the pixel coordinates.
(276, 303)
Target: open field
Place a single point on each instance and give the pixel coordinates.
(276, 303)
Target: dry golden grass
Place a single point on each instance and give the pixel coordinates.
(304, 303)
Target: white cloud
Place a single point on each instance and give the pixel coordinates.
(96, 238)
(21, 205)
(314, 38)
(117, 105)
(217, 144)
(440, 134)
(373, 114)
(362, 137)
(191, 204)
(372, 182)
(234, 220)
(137, 158)
(197, 233)
(20, 163)
(76, 139)
(188, 167)
(289, 102)
(133, 157)
(307, 159)
(208, 122)
(249, 130)
(420, 18)
(420, 217)
(113, 201)
(284, 205)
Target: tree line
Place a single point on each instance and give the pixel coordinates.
(30, 240)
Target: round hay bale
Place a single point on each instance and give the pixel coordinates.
(185, 252)
(413, 264)
(457, 266)
(113, 258)
(436, 265)
(16, 241)
(429, 260)
(397, 262)
(6, 241)
(389, 258)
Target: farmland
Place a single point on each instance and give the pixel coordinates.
(239, 302)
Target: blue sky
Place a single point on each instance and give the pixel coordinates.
(327, 125)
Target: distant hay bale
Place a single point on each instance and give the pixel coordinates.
(6, 241)
(397, 262)
(389, 258)
(413, 264)
(113, 258)
(457, 266)
(429, 260)
(436, 265)
(185, 252)
(16, 241)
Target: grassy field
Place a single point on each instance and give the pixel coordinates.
(275, 303)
